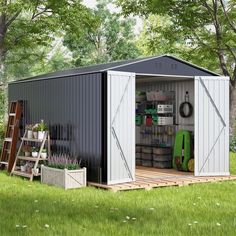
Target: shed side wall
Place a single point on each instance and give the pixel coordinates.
(72, 107)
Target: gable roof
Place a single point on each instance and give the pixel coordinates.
(161, 65)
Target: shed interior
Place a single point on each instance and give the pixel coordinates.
(158, 99)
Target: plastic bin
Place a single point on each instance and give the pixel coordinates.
(159, 151)
(163, 158)
(162, 164)
(147, 150)
(146, 163)
(147, 156)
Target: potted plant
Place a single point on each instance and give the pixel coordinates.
(44, 154)
(29, 129)
(35, 152)
(41, 129)
(35, 131)
(63, 171)
(26, 149)
(23, 166)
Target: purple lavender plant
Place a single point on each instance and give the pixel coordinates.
(63, 161)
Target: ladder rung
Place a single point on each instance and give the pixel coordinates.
(3, 162)
(12, 114)
(8, 140)
(7, 150)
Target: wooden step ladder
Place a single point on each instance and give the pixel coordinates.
(11, 136)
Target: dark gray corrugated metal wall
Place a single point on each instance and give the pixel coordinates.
(72, 107)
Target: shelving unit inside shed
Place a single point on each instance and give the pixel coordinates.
(158, 119)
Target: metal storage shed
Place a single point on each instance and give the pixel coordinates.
(91, 112)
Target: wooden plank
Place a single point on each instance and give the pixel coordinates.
(30, 158)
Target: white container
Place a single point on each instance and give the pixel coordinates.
(168, 120)
(66, 179)
(23, 168)
(35, 154)
(163, 109)
(41, 135)
(35, 135)
(44, 155)
(27, 154)
(35, 171)
(29, 134)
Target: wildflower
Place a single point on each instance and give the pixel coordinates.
(127, 217)
(46, 226)
(195, 222)
(218, 224)
(133, 218)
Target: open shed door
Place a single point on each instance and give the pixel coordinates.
(211, 126)
(121, 127)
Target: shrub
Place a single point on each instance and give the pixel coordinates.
(63, 161)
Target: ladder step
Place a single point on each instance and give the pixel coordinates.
(12, 114)
(3, 162)
(8, 139)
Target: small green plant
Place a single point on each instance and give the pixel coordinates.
(29, 127)
(41, 126)
(26, 148)
(35, 149)
(2, 134)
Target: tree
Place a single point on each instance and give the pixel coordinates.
(209, 28)
(111, 38)
(26, 26)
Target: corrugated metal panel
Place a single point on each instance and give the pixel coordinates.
(211, 126)
(72, 107)
(121, 127)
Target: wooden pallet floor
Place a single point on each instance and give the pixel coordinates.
(149, 178)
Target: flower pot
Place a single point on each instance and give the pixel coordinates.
(35, 135)
(67, 179)
(44, 155)
(41, 134)
(23, 168)
(35, 171)
(27, 154)
(29, 134)
(35, 154)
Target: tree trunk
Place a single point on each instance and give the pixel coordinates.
(232, 111)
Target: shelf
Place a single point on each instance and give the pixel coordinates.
(30, 158)
(21, 173)
(24, 173)
(32, 140)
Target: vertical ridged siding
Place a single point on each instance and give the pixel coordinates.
(212, 126)
(72, 108)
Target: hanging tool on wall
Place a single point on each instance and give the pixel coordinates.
(186, 105)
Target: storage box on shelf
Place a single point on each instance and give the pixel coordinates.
(138, 155)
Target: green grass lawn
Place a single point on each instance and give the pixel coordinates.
(34, 209)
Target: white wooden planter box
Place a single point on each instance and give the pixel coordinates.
(66, 179)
